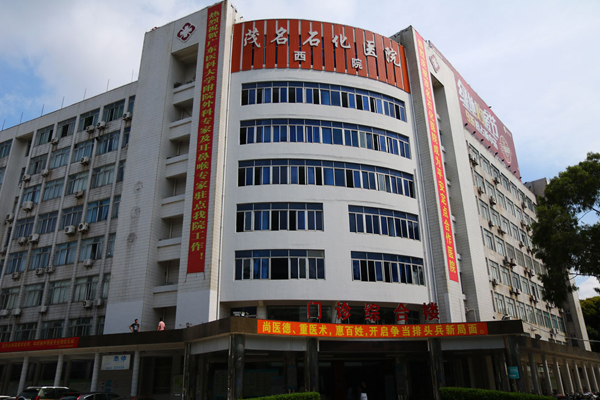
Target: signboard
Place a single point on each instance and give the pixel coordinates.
(513, 373)
(440, 177)
(321, 46)
(289, 328)
(36, 345)
(116, 362)
(480, 120)
(199, 229)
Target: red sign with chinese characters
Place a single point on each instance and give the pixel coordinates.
(437, 160)
(35, 345)
(318, 46)
(268, 327)
(198, 231)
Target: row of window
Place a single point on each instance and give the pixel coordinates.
(497, 196)
(315, 172)
(279, 217)
(329, 95)
(381, 221)
(503, 223)
(51, 329)
(279, 264)
(527, 313)
(326, 132)
(5, 148)
(64, 253)
(505, 276)
(101, 176)
(85, 288)
(506, 250)
(392, 268)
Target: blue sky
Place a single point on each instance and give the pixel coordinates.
(534, 61)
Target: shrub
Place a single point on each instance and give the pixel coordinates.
(292, 396)
(457, 393)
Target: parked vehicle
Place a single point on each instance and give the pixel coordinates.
(43, 393)
(93, 396)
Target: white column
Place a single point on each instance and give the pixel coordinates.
(587, 378)
(546, 376)
(23, 374)
(94, 384)
(557, 375)
(136, 373)
(594, 381)
(59, 367)
(567, 373)
(577, 377)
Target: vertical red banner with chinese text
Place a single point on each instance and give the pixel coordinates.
(437, 160)
(206, 123)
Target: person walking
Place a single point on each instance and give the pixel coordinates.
(161, 325)
(135, 327)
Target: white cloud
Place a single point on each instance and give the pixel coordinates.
(586, 288)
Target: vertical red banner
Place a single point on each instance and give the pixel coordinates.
(437, 160)
(206, 124)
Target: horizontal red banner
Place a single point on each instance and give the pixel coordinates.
(47, 344)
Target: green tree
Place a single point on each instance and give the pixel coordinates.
(591, 313)
(562, 241)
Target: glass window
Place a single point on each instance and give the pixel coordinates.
(44, 135)
(103, 175)
(15, 262)
(121, 171)
(105, 286)
(5, 148)
(111, 245)
(66, 128)
(77, 182)
(116, 206)
(91, 248)
(37, 164)
(107, 143)
(47, 222)
(113, 111)
(9, 298)
(97, 211)
(52, 329)
(53, 189)
(59, 157)
(500, 305)
(40, 258)
(65, 253)
(85, 288)
(2, 171)
(80, 327)
(87, 119)
(59, 291)
(82, 149)
(31, 193)
(33, 295)
(280, 264)
(24, 227)
(25, 331)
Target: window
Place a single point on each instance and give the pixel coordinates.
(495, 218)
(37, 164)
(103, 175)
(100, 325)
(2, 171)
(501, 199)
(486, 165)
(511, 307)
(65, 253)
(82, 149)
(16, 262)
(377, 267)
(484, 210)
(317, 172)
(510, 252)
(505, 225)
(111, 245)
(40, 258)
(71, 216)
(91, 248)
(121, 171)
(105, 286)
(59, 157)
(25, 331)
(539, 317)
(489, 239)
(525, 286)
(9, 298)
(494, 271)
(500, 246)
(521, 310)
(59, 291)
(386, 222)
(511, 207)
(77, 182)
(479, 181)
(500, 305)
(490, 189)
(80, 327)
(5, 333)
(116, 206)
(24, 227)
(125, 141)
(65, 128)
(5, 148)
(516, 281)
(113, 111)
(131, 103)
(325, 132)
(97, 211)
(44, 135)
(107, 143)
(32, 193)
(279, 264)
(87, 119)
(279, 216)
(530, 314)
(53, 189)
(47, 222)
(85, 288)
(33, 295)
(52, 329)
(505, 276)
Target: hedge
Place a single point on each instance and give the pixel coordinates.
(292, 396)
(457, 393)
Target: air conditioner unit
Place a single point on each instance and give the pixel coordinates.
(26, 178)
(506, 261)
(501, 231)
(523, 205)
(83, 227)
(43, 309)
(494, 282)
(34, 238)
(3, 250)
(49, 269)
(512, 262)
(45, 172)
(70, 230)
(101, 125)
(493, 201)
(16, 312)
(523, 224)
(90, 129)
(54, 141)
(480, 190)
(554, 331)
(491, 223)
(3, 313)
(127, 116)
(496, 180)
(87, 303)
(28, 205)
(22, 240)
(88, 262)
(98, 302)
(10, 217)
(79, 194)
(85, 160)
(473, 160)
(533, 299)
(521, 244)
(39, 271)
(16, 275)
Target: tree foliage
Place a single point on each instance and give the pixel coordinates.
(591, 313)
(562, 241)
